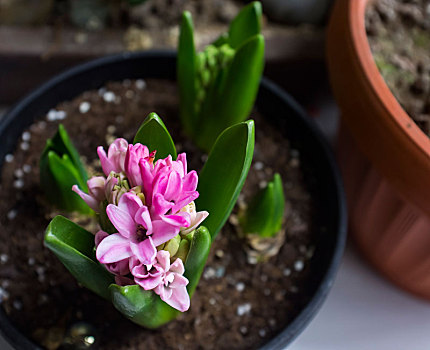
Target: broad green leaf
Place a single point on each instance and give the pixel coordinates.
(241, 83)
(265, 213)
(60, 169)
(224, 174)
(186, 73)
(153, 133)
(246, 24)
(74, 246)
(60, 174)
(142, 307)
(61, 144)
(197, 256)
(231, 97)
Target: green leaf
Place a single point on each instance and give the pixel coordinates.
(61, 144)
(186, 73)
(60, 169)
(142, 307)
(74, 246)
(62, 176)
(265, 213)
(230, 99)
(246, 24)
(153, 133)
(241, 83)
(278, 213)
(145, 307)
(197, 256)
(224, 174)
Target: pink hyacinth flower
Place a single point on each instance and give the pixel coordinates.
(115, 159)
(137, 235)
(196, 218)
(96, 192)
(135, 154)
(146, 276)
(119, 268)
(172, 288)
(168, 187)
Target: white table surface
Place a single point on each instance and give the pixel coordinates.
(365, 312)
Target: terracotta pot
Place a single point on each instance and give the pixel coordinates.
(384, 156)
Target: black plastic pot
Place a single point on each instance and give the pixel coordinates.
(274, 103)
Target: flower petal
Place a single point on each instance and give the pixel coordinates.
(145, 251)
(182, 158)
(179, 299)
(130, 203)
(147, 176)
(118, 268)
(163, 260)
(93, 203)
(143, 218)
(186, 199)
(107, 165)
(190, 181)
(174, 186)
(100, 236)
(164, 292)
(178, 281)
(96, 187)
(181, 219)
(121, 219)
(134, 154)
(178, 267)
(162, 232)
(150, 282)
(160, 205)
(200, 216)
(113, 248)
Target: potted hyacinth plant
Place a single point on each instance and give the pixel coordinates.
(145, 200)
(135, 225)
(149, 253)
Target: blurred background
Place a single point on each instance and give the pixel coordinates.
(39, 38)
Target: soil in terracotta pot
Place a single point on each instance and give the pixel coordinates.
(236, 305)
(399, 37)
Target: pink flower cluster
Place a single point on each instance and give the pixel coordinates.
(149, 203)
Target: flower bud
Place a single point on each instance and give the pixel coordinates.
(195, 217)
(182, 253)
(172, 246)
(116, 186)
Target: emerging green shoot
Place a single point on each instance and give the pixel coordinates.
(60, 169)
(218, 86)
(264, 215)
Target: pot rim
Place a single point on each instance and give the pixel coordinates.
(400, 121)
(18, 340)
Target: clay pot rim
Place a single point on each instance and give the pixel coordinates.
(400, 121)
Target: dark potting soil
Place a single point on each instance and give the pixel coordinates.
(399, 37)
(236, 305)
